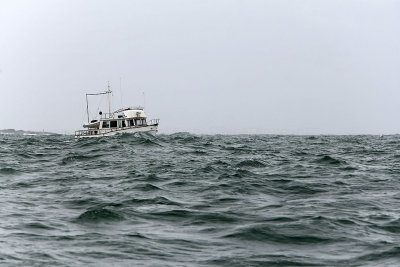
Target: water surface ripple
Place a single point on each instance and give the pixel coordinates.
(189, 200)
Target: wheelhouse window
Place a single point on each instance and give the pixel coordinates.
(113, 124)
(106, 124)
(131, 123)
(144, 122)
(138, 122)
(123, 124)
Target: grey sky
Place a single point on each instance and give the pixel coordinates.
(302, 67)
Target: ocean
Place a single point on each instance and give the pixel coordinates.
(200, 200)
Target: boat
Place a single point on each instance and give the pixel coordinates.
(124, 120)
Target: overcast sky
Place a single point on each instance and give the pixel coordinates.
(249, 66)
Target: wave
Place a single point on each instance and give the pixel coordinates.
(78, 158)
(308, 189)
(97, 215)
(330, 160)
(387, 254)
(147, 187)
(195, 217)
(8, 170)
(251, 163)
(392, 226)
(285, 235)
(37, 225)
(152, 201)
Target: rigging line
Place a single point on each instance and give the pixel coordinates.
(91, 115)
(83, 117)
(99, 104)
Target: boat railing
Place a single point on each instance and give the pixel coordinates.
(153, 122)
(98, 131)
(92, 132)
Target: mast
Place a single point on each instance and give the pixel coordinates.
(87, 108)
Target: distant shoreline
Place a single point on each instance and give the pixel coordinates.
(22, 132)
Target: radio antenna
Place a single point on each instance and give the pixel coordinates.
(120, 89)
(144, 100)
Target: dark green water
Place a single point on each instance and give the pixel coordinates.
(186, 200)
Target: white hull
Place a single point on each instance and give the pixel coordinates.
(151, 129)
